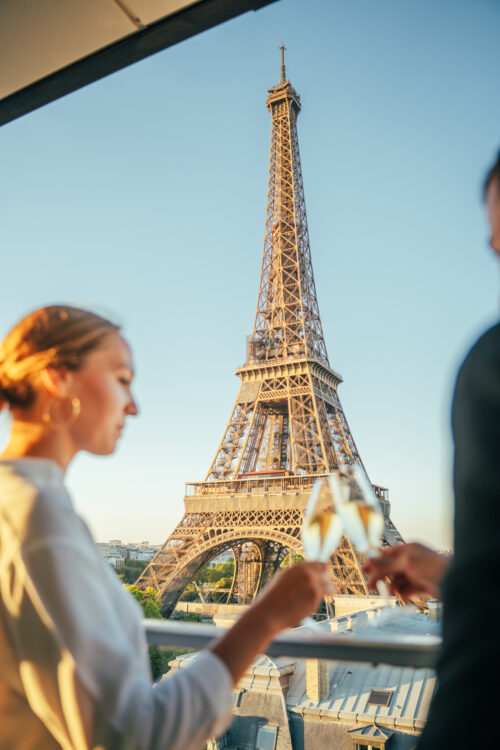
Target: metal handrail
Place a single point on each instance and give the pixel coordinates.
(401, 651)
(279, 485)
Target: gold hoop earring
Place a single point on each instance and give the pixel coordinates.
(48, 417)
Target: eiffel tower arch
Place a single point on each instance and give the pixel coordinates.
(287, 426)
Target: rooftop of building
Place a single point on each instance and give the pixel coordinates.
(408, 691)
(348, 687)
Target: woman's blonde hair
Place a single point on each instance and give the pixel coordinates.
(55, 336)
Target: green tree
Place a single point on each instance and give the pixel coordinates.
(223, 583)
(130, 571)
(190, 617)
(189, 594)
(211, 574)
(150, 602)
(295, 559)
(220, 570)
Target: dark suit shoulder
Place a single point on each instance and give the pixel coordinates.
(476, 432)
(481, 366)
(486, 349)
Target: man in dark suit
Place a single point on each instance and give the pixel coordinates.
(467, 703)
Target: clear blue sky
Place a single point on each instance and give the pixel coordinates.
(144, 195)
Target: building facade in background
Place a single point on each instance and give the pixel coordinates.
(117, 552)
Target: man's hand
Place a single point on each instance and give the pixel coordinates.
(411, 569)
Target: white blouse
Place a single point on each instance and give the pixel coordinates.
(74, 666)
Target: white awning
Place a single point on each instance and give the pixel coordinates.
(51, 47)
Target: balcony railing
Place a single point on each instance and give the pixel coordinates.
(272, 485)
(403, 651)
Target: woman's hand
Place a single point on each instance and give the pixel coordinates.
(411, 569)
(290, 596)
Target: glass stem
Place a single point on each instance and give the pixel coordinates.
(380, 585)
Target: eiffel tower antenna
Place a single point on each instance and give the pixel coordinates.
(287, 426)
(283, 75)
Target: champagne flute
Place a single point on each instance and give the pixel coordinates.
(363, 522)
(321, 527)
(359, 509)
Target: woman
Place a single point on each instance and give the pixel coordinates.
(74, 670)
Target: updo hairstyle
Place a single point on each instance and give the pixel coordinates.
(55, 336)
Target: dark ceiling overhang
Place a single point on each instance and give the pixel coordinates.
(49, 49)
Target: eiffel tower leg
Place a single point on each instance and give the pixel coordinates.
(202, 536)
(249, 572)
(274, 555)
(260, 538)
(346, 570)
(236, 550)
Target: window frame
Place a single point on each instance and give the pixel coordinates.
(268, 728)
(381, 691)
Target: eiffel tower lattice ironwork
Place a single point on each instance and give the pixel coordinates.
(287, 426)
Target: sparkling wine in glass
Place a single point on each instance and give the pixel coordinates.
(322, 525)
(360, 511)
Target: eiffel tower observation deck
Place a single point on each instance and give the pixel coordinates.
(287, 426)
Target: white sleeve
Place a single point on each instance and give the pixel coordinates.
(206, 687)
(83, 662)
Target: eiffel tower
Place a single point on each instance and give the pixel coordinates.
(287, 426)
